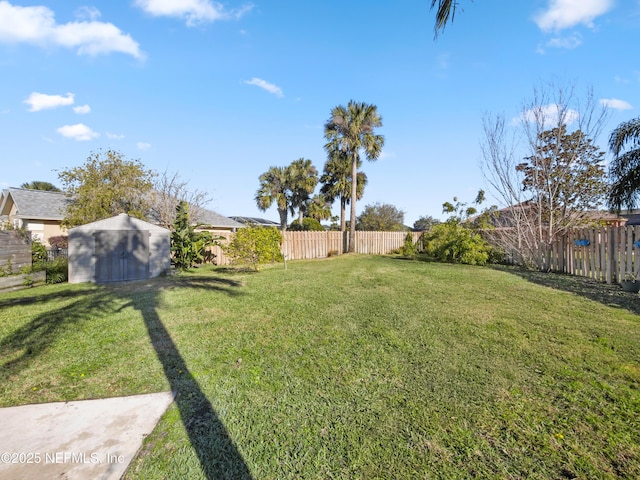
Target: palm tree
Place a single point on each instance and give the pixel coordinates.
(444, 14)
(303, 178)
(319, 208)
(624, 170)
(274, 188)
(336, 182)
(40, 185)
(351, 130)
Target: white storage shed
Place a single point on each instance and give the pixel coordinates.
(118, 249)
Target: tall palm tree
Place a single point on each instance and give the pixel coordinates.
(303, 178)
(624, 170)
(336, 182)
(351, 130)
(274, 184)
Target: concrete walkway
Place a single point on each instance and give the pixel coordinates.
(89, 439)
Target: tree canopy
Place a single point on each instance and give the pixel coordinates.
(40, 185)
(382, 217)
(624, 171)
(106, 185)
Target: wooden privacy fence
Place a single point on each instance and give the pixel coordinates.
(606, 254)
(308, 245)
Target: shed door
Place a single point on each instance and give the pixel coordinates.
(122, 255)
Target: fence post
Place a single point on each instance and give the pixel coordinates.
(612, 263)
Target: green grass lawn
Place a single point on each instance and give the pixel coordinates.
(350, 367)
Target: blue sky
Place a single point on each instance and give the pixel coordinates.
(222, 91)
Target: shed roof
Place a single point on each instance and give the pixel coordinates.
(34, 204)
(120, 222)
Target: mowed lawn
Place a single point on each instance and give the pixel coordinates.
(351, 367)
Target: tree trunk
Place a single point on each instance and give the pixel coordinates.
(354, 193)
(283, 219)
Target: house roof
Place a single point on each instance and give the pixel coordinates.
(256, 220)
(34, 204)
(207, 217)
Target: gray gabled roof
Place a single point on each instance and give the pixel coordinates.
(36, 204)
(207, 217)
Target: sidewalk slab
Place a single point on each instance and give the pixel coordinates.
(82, 440)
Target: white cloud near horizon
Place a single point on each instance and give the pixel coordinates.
(549, 115)
(563, 14)
(195, 12)
(79, 132)
(114, 136)
(42, 101)
(143, 146)
(82, 109)
(269, 87)
(37, 26)
(615, 103)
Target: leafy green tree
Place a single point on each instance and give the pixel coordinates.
(352, 131)
(274, 188)
(336, 182)
(188, 246)
(624, 170)
(40, 185)
(566, 178)
(381, 217)
(302, 181)
(425, 223)
(308, 225)
(106, 185)
(254, 246)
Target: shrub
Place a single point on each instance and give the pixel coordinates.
(59, 241)
(58, 270)
(38, 252)
(255, 245)
(409, 249)
(454, 243)
(308, 225)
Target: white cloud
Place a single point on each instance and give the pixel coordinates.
(37, 26)
(88, 13)
(563, 14)
(82, 109)
(269, 87)
(569, 43)
(615, 104)
(114, 136)
(78, 132)
(41, 101)
(548, 115)
(143, 146)
(193, 11)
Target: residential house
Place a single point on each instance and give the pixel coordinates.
(37, 211)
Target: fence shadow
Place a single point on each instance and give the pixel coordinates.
(607, 294)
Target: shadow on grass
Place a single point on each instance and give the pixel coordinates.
(607, 294)
(218, 456)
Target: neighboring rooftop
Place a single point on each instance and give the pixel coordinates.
(207, 217)
(256, 221)
(34, 204)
